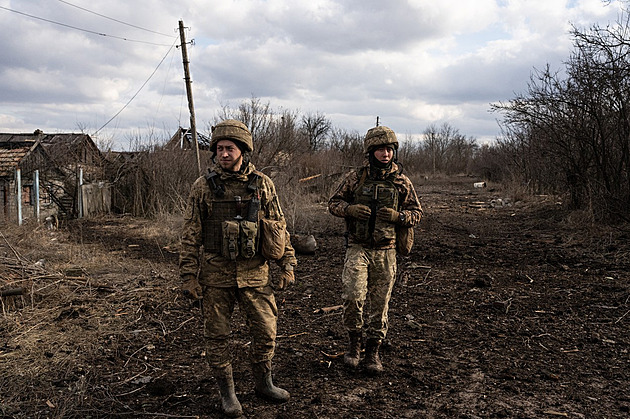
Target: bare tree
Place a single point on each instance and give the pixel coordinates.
(437, 142)
(460, 153)
(574, 126)
(348, 144)
(316, 127)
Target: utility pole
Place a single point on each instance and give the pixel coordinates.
(191, 106)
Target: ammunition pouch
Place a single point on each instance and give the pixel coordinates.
(239, 238)
(272, 238)
(404, 240)
(248, 234)
(229, 242)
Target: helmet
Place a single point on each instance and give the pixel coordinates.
(379, 136)
(232, 130)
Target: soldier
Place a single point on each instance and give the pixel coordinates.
(379, 203)
(226, 210)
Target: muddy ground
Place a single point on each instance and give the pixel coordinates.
(516, 309)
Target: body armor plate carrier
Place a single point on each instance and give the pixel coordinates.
(375, 194)
(230, 226)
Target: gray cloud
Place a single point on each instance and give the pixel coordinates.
(413, 62)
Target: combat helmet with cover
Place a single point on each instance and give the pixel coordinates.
(232, 130)
(379, 136)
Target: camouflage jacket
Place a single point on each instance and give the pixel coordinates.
(408, 202)
(216, 270)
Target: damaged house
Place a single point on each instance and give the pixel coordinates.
(183, 140)
(64, 170)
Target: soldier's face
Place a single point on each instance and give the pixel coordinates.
(384, 154)
(229, 155)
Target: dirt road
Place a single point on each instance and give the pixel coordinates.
(503, 310)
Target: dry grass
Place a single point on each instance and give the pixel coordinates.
(82, 303)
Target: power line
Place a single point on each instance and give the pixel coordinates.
(115, 20)
(164, 86)
(81, 29)
(136, 94)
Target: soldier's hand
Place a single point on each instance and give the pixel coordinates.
(360, 211)
(192, 288)
(389, 215)
(287, 278)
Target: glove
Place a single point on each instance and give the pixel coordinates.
(287, 278)
(192, 289)
(359, 211)
(388, 215)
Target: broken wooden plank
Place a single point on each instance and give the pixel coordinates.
(306, 179)
(327, 309)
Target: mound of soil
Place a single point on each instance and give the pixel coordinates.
(503, 310)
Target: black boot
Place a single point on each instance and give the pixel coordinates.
(373, 364)
(229, 403)
(264, 386)
(353, 354)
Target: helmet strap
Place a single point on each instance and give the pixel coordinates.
(246, 158)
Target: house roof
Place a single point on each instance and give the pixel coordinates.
(182, 139)
(15, 138)
(68, 139)
(47, 140)
(62, 148)
(12, 153)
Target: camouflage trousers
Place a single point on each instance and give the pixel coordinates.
(368, 279)
(259, 307)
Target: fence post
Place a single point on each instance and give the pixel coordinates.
(36, 193)
(18, 181)
(80, 193)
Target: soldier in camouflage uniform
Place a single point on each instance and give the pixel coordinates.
(375, 200)
(225, 209)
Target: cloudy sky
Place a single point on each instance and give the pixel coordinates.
(71, 66)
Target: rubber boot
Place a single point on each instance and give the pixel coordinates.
(229, 403)
(373, 364)
(353, 354)
(264, 386)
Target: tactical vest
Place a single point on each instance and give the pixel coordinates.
(375, 194)
(235, 205)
